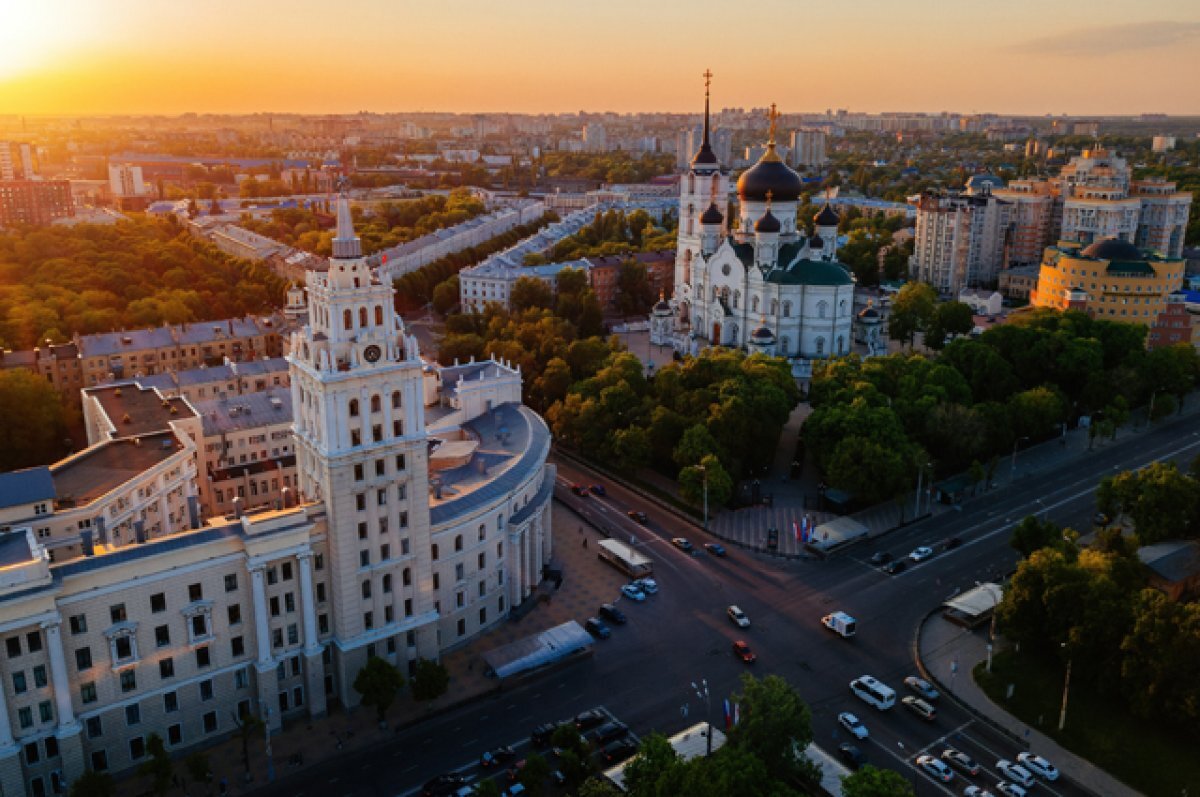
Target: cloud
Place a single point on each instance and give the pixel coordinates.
(1099, 42)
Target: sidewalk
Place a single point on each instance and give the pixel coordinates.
(586, 584)
(948, 654)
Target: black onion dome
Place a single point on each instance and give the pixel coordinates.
(769, 175)
(662, 306)
(816, 242)
(712, 215)
(827, 217)
(762, 333)
(1114, 249)
(705, 156)
(768, 223)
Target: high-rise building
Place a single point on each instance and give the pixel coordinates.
(1031, 216)
(961, 238)
(808, 148)
(595, 137)
(36, 202)
(16, 161)
(125, 180)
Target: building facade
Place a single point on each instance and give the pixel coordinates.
(35, 202)
(961, 240)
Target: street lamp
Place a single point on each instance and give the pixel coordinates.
(704, 473)
(1062, 716)
(702, 694)
(1012, 474)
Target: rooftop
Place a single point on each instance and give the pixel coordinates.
(249, 411)
(25, 487)
(136, 410)
(14, 550)
(97, 470)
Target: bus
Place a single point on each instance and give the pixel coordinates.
(874, 692)
(624, 558)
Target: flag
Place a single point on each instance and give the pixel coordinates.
(737, 714)
(728, 715)
(796, 530)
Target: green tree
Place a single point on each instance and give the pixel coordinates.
(430, 681)
(656, 757)
(634, 293)
(534, 774)
(530, 292)
(35, 421)
(710, 472)
(912, 310)
(158, 766)
(487, 788)
(1162, 502)
(949, 319)
(696, 444)
(249, 727)
(775, 725)
(599, 787)
(378, 682)
(93, 784)
(445, 295)
(631, 447)
(872, 782)
(1037, 413)
(869, 470)
(1032, 535)
(1160, 652)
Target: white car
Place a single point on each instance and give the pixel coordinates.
(633, 592)
(1038, 766)
(1016, 773)
(977, 791)
(1010, 789)
(921, 554)
(851, 723)
(935, 769)
(738, 617)
(647, 585)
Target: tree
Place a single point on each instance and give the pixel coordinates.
(634, 293)
(949, 319)
(868, 470)
(599, 787)
(574, 758)
(631, 447)
(1162, 502)
(775, 725)
(487, 788)
(1036, 413)
(655, 758)
(872, 782)
(534, 774)
(912, 310)
(378, 682)
(445, 295)
(94, 784)
(696, 444)
(430, 681)
(34, 420)
(530, 292)
(710, 472)
(1032, 535)
(158, 766)
(249, 727)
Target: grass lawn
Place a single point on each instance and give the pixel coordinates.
(1156, 759)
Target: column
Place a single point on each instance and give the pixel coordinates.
(314, 665)
(164, 514)
(262, 629)
(68, 733)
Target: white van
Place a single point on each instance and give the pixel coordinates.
(874, 692)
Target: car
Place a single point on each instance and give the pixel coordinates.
(495, 758)
(682, 544)
(598, 489)
(647, 585)
(1038, 766)
(619, 750)
(960, 760)
(920, 553)
(613, 614)
(715, 548)
(596, 627)
(580, 490)
(977, 791)
(1016, 773)
(880, 558)
(445, 784)
(952, 543)
(633, 592)
(935, 769)
(919, 707)
(892, 568)
(515, 790)
(852, 755)
(852, 724)
(542, 733)
(590, 719)
(1010, 789)
(639, 516)
(610, 731)
(921, 687)
(738, 617)
(743, 652)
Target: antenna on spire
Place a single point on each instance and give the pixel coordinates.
(707, 83)
(773, 118)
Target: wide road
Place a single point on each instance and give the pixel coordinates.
(643, 673)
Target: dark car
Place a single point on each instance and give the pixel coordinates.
(715, 548)
(542, 733)
(444, 784)
(852, 755)
(590, 719)
(497, 757)
(619, 750)
(597, 628)
(598, 489)
(610, 731)
(953, 543)
(892, 568)
(610, 612)
(639, 516)
(880, 558)
(579, 490)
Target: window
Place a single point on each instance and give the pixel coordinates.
(404, 549)
(123, 648)
(355, 437)
(319, 562)
(274, 605)
(272, 576)
(162, 636)
(377, 433)
(293, 633)
(13, 643)
(388, 615)
(285, 570)
(170, 702)
(231, 582)
(459, 572)
(376, 403)
(403, 520)
(462, 627)
(482, 532)
(94, 727)
(137, 748)
(364, 558)
(368, 620)
(83, 659)
(482, 560)
(35, 641)
(353, 408)
(25, 715)
(166, 668)
(128, 680)
(482, 588)
(362, 530)
(158, 602)
(277, 638)
(18, 679)
(366, 590)
(482, 616)
(32, 755)
(460, 598)
(289, 602)
(235, 614)
(458, 543)
(236, 646)
(360, 501)
(78, 624)
(387, 583)
(133, 714)
(175, 734)
(195, 592)
(323, 623)
(397, 428)
(408, 607)
(87, 693)
(433, 550)
(39, 676)
(321, 592)
(395, 399)
(206, 690)
(203, 659)
(210, 722)
(437, 581)
(100, 761)
(117, 613)
(358, 473)
(198, 627)
(406, 577)
(381, 497)
(399, 463)
(241, 680)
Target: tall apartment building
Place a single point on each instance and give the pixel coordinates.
(961, 239)
(808, 149)
(16, 161)
(595, 137)
(35, 202)
(125, 180)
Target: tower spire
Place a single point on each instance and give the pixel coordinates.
(707, 83)
(705, 156)
(346, 244)
(773, 119)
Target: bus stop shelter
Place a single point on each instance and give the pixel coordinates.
(540, 650)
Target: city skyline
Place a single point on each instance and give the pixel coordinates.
(116, 57)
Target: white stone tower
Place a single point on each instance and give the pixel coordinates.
(703, 200)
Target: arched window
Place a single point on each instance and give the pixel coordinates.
(691, 218)
(353, 408)
(395, 399)
(842, 310)
(687, 267)
(362, 317)
(376, 403)
(774, 307)
(787, 309)
(458, 543)
(348, 318)
(433, 551)
(820, 347)
(737, 299)
(482, 531)
(754, 304)
(841, 344)
(378, 315)
(822, 308)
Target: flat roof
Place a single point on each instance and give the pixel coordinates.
(249, 411)
(102, 468)
(14, 550)
(135, 410)
(25, 487)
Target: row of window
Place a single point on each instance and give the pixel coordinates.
(380, 467)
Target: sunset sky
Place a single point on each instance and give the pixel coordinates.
(337, 56)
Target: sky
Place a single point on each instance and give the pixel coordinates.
(88, 57)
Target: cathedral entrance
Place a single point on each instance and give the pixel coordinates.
(716, 333)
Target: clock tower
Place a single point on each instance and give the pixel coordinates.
(361, 449)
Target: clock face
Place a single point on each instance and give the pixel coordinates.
(371, 353)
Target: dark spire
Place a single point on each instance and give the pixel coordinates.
(705, 154)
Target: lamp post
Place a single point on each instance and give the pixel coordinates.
(704, 473)
(702, 694)
(1062, 716)
(1012, 473)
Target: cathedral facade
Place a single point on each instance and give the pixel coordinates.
(754, 281)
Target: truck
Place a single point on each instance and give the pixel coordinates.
(840, 623)
(624, 558)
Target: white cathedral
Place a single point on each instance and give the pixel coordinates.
(760, 284)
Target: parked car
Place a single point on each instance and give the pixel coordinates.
(977, 791)
(542, 733)
(919, 707)
(610, 731)
(647, 585)
(738, 617)
(580, 490)
(743, 652)
(1038, 766)
(590, 719)
(880, 558)
(618, 751)
(715, 548)
(892, 568)
(1010, 789)
(682, 544)
(638, 515)
(515, 790)
(633, 592)
(495, 758)
(1016, 773)
(852, 724)
(960, 760)
(920, 554)
(598, 489)
(852, 755)
(443, 784)
(921, 687)
(596, 627)
(613, 614)
(935, 769)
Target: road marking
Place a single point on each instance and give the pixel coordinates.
(468, 744)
